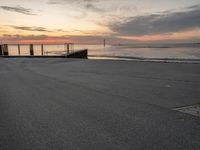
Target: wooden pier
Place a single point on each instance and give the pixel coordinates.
(67, 53)
(4, 50)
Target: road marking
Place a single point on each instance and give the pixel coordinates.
(192, 110)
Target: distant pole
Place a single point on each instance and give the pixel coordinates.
(19, 52)
(42, 49)
(104, 42)
(31, 50)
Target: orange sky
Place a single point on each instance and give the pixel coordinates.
(127, 21)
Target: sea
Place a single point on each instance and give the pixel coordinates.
(120, 51)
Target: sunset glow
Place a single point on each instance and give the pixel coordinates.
(91, 21)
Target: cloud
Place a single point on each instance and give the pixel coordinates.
(71, 1)
(93, 8)
(36, 29)
(40, 29)
(159, 23)
(23, 37)
(46, 30)
(88, 5)
(44, 37)
(18, 38)
(18, 9)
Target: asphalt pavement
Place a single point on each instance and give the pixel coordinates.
(74, 104)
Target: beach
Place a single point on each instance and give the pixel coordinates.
(76, 104)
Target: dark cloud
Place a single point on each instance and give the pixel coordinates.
(36, 29)
(43, 29)
(88, 5)
(159, 23)
(40, 29)
(70, 1)
(193, 7)
(23, 37)
(93, 8)
(18, 9)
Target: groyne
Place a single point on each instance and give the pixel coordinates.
(67, 53)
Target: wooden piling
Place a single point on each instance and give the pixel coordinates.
(19, 51)
(5, 50)
(42, 49)
(31, 50)
(1, 50)
(67, 48)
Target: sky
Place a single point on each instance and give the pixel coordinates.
(91, 21)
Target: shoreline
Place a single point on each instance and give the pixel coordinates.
(163, 60)
(119, 58)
